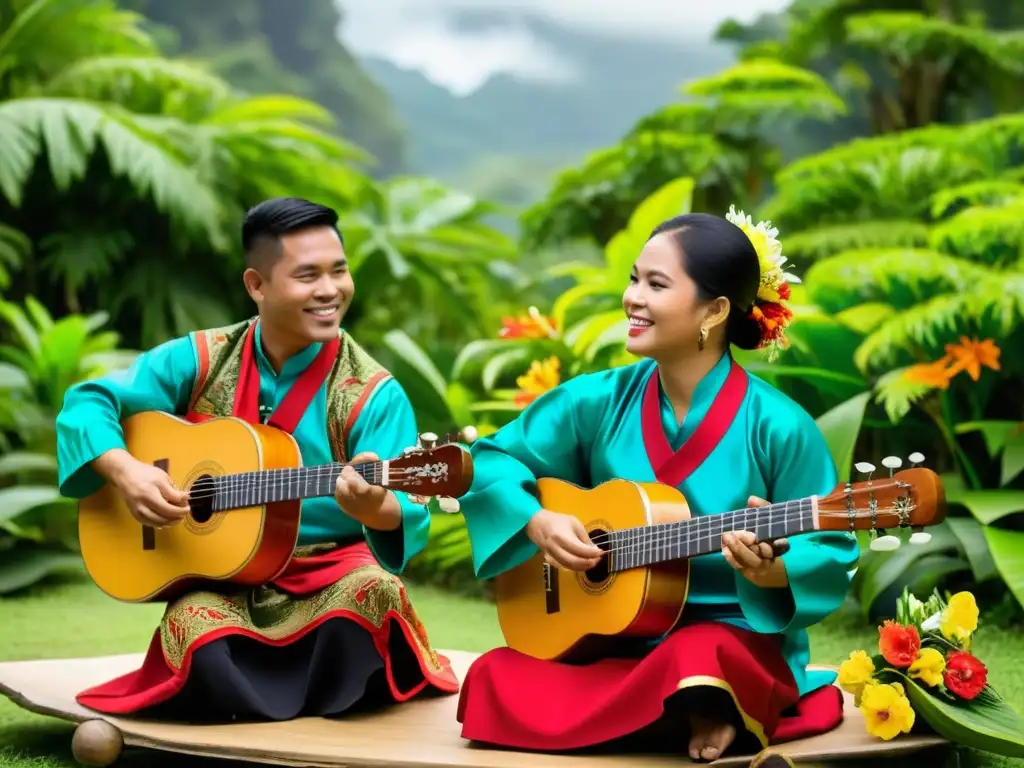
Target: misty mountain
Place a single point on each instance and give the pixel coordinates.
(531, 129)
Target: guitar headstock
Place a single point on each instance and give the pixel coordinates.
(912, 498)
(429, 469)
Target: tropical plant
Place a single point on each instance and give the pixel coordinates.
(42, 359)
(716, 138)
(413, 243)
(111, 149)
(913, 241)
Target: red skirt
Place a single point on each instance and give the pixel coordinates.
(345, 584)
(513, 700)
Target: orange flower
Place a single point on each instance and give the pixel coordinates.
(528, 325)
(970, 355)
(899, 645)
(936, 374)
(542, 377)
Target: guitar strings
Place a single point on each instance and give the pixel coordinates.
(225, 484)
(781, 510)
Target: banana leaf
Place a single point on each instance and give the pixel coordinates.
(987, 723)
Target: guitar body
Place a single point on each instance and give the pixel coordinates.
(246, 547)
(554, 613)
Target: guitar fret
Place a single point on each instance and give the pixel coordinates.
(250, 489)
(647, 545)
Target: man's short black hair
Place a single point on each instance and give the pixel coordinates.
(268, 221)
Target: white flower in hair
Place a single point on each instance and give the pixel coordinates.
(764, 238)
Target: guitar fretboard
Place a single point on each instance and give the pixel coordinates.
(647, 545)
(252, 489)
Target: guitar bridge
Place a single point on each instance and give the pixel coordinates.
(552, 603)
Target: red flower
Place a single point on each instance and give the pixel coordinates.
(965, 675)
(784, 291)
(899, 645)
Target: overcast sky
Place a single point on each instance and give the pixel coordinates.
(418, 34)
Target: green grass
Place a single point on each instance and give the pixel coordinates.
(73, 619)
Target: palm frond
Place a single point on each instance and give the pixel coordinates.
(898, 277)
(71, 131)
(826, 241)
(75, 258)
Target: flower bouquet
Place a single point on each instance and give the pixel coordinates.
(925, 671)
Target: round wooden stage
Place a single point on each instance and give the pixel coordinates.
(416, 734)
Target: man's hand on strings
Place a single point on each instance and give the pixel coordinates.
(758, 561)
(148, 491)
(370, 505)
(563, 540)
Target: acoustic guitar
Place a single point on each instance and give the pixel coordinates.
(639, 588)
(246, 484)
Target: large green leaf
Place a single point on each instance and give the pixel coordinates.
(975, 546)
(884, 573)
(987, 506)
(21, 568)
(987, 723)
(22, 461)
(841, 426)
(1007, 548)
(20, 499)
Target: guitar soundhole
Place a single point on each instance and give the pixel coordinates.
(201, 497)
(599, 574)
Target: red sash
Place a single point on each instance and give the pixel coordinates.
(291, 409)
(673, 468)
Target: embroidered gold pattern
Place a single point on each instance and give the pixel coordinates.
(369, 591)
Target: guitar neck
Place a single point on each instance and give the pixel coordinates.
(268, 486)
(651, 544)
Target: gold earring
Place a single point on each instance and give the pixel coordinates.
(702, 338)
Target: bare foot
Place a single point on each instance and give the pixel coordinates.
(709, 738)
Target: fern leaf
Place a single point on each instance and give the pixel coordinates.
(171, 86)
(992, 192)
(990, 306)
(895, 184)
(993, 236)
(907, 37)
(15, 247)
(826, 241)
(69, 132)
(897, 394)
(898, 277)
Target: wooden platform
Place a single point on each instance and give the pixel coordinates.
(412, 735)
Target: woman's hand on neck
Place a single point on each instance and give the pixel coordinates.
(680, 376)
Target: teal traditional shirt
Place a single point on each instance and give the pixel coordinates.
(162, 380)
(588, 431)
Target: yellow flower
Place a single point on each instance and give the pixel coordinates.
(928, 667)
(887, 711)
(856, 672)
(764, 237)
(960, 617)
(543, 376)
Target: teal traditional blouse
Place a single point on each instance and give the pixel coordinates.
(162, 379)
(588, 431)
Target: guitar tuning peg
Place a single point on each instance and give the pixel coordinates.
(448, 505)
(885, 542)
(427, 440)
(865, 468)
(892, 463)
(469, 434)
(920, 536)
(915, 458)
